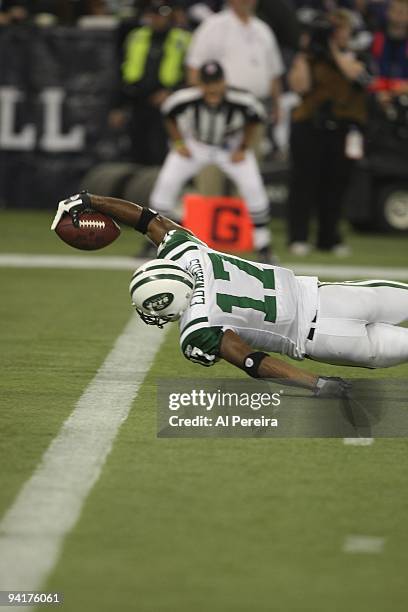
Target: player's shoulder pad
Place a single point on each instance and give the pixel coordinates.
(176, 242)
(200, 343)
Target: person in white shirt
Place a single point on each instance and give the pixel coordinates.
(247, 49)
(244, 45)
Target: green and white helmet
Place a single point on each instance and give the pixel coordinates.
(161, 291)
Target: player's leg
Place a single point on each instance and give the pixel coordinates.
(376, 301)
(247, 177)
(176, 171)
(388, 343)
(355, 324)
(374, 345)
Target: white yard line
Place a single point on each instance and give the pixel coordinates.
(50, 502)
(363, 544)
(95, 262)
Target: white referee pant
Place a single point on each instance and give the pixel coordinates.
(357, 324)
(177, 170)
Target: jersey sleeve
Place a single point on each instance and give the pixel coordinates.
(198, 340)
(202, 345)
(176, 243)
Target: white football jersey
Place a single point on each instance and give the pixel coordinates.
(267, 306)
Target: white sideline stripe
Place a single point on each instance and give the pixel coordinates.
(49, 503)
(363, 544)
(92, 262)
(89, 262)
(358, 441)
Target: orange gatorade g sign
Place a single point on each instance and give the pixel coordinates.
(221, 222)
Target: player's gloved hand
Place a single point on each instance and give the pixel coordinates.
(332, 386)
(74, 206)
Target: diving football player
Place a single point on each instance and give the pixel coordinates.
(238, 310)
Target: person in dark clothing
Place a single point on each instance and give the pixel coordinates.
(389, 52)
(324, 133)
(14, 11)
(281, 18)
(390, 45)
(151, 69)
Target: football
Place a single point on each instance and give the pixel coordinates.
(95, 231)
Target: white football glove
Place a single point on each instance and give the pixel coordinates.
(332, 386)
(73, 205)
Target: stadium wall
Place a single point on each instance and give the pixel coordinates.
(55, 90)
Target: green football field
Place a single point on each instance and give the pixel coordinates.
(192, 525)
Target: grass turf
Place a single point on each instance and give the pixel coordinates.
(227, 525)
(56, 327)
(189, 525)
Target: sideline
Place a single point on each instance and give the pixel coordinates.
(92, 262)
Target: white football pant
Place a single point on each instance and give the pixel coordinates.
(177, 170)
(357, 324)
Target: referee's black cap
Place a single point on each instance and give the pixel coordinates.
(211, 71)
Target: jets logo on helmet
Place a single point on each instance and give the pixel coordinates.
(159, 301)
(161, 291)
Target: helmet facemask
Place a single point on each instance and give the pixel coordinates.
(155, 319)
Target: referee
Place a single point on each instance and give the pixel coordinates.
(214, 124)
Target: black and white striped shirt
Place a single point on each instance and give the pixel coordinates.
(213, 126)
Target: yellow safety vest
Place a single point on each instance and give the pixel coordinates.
(171, 66)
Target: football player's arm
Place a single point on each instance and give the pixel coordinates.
(130, 214)
(123, 211)
(235, 350)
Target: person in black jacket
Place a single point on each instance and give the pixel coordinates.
(325, 132)
(151, 68)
